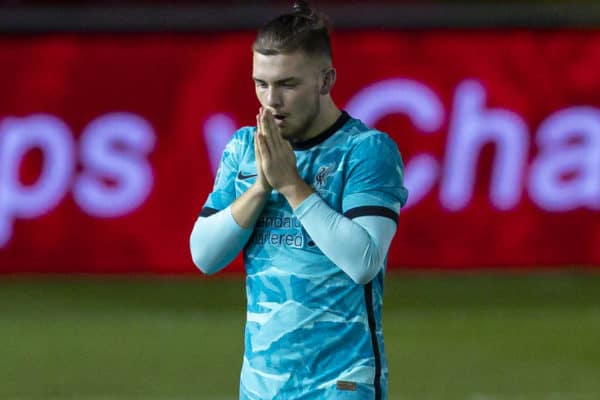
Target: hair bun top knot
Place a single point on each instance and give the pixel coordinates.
(301, 7)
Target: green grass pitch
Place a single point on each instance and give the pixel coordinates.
(533, 336)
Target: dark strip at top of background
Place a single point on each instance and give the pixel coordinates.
(197, 17)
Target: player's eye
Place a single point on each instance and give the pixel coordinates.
(261, 85)
(289, 85)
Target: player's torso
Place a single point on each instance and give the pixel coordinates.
(278, 234)
(307, 324)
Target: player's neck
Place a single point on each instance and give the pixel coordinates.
(327, 117)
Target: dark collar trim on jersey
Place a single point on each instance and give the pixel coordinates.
(321, 137)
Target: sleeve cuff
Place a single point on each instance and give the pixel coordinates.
(307, 204)
(232, 224)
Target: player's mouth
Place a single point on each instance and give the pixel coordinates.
(279, 118)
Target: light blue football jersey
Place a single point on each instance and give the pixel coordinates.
(312, 332)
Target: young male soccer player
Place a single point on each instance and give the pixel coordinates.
(312, 196)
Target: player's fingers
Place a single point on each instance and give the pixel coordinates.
(267, 132)
(274, 132)
(261, 122)
(257, 154)
(265, 123)
(281, 142)
(263, 147)
(286, 145)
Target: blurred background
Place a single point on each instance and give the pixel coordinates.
(113, 117)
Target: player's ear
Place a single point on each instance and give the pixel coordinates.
(328, 81)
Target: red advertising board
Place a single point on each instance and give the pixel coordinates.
(109, 143)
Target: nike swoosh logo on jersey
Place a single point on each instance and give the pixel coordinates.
(242, 177)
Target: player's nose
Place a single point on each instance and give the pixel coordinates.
(274, 99)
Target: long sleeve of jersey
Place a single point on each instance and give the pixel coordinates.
(216, 240)
(357, 246)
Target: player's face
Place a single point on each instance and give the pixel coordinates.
(289, 86)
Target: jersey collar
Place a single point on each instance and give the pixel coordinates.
(321, 137)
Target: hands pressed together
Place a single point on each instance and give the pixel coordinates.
(276, 162)
(275, 158)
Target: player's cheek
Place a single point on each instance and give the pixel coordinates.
(260, 96)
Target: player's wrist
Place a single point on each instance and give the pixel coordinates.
(261, 189)
(295, 193)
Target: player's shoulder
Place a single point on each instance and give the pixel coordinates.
(241, 140)
(244, 135)
(361, 136)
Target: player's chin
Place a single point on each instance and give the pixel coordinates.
(289, 131)
(286, 133)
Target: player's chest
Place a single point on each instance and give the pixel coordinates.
(324, 171)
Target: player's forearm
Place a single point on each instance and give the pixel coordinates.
(216, 240)
(357, 247)
(247, 208)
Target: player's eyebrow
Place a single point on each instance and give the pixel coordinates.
(290, 79)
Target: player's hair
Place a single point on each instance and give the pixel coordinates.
(302, 29)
